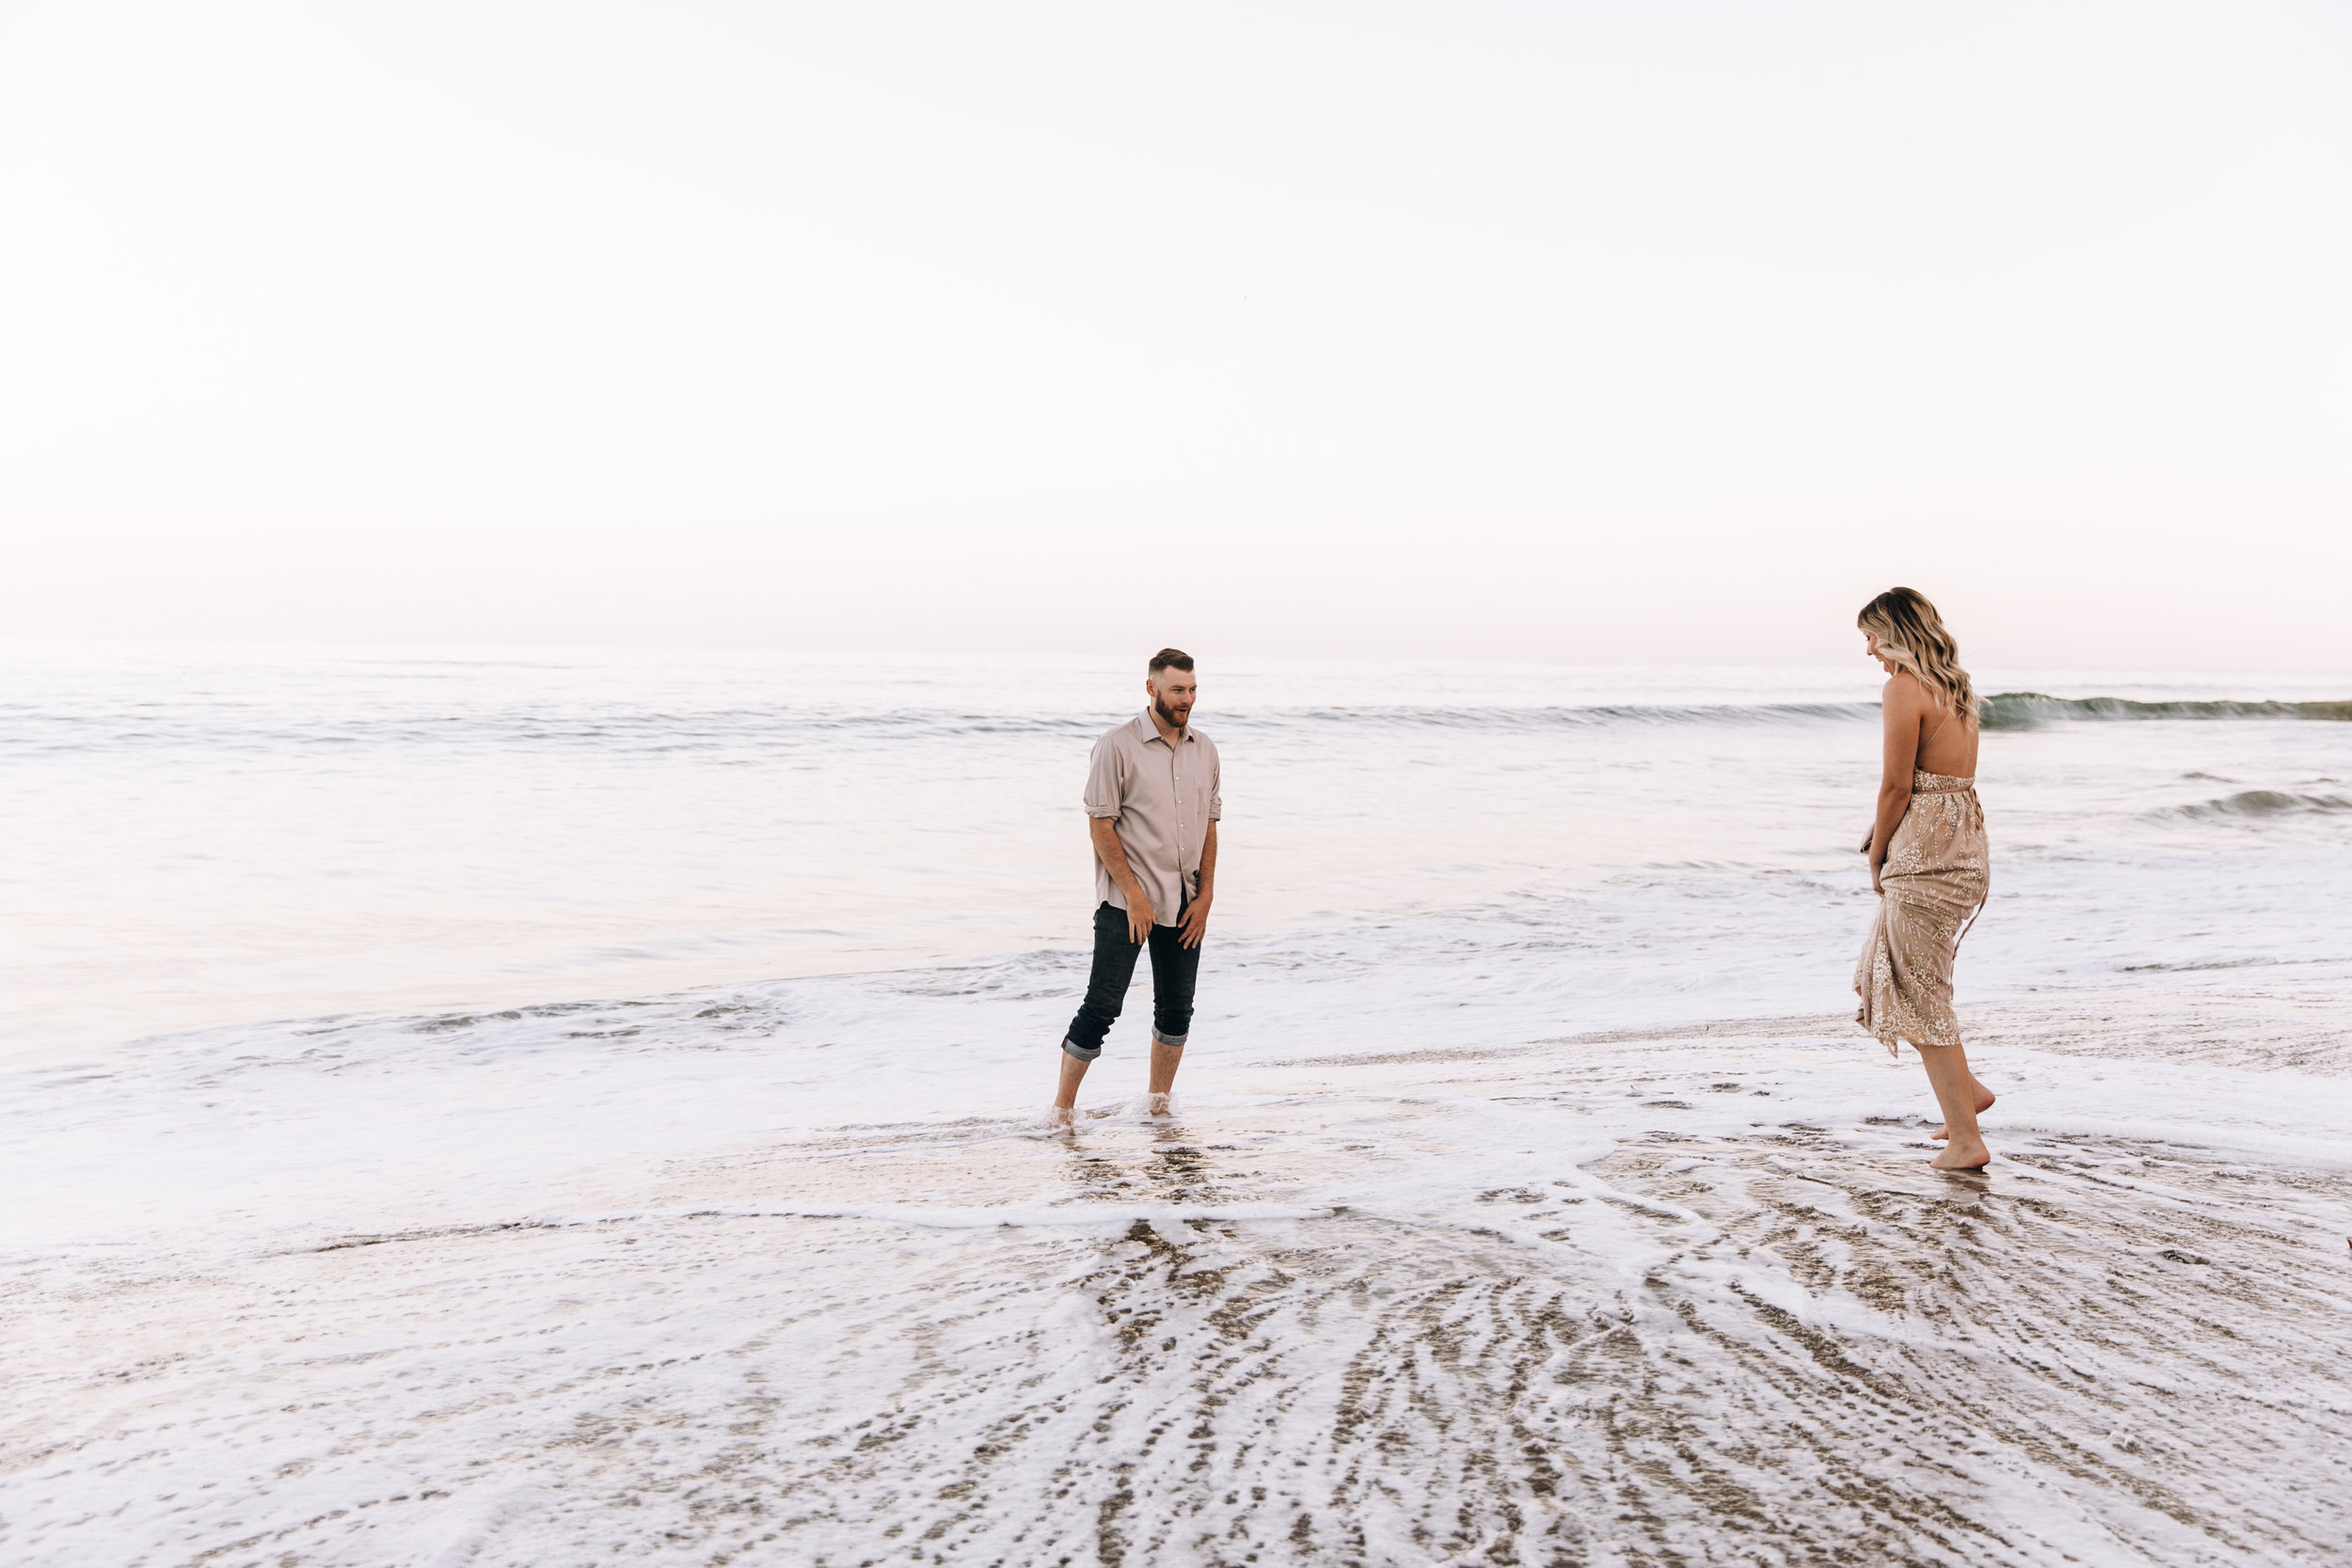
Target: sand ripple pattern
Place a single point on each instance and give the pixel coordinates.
(1789, 1347)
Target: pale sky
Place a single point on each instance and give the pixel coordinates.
(1641, 331)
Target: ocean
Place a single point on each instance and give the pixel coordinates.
(536, 1105)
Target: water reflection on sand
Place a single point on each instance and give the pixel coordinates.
(1611, 1301)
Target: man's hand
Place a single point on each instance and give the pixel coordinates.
(1195, 922)
(1113, 854)
(1867, 835)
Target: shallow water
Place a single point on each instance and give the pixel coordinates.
(206, 837)
(1531, 1200)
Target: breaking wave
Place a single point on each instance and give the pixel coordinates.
(2024, 710)
(754, 730)
(2265, 802)
(759, 730)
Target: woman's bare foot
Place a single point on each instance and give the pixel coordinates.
(1984, 1103)
(1968, 1154)
(1960, 1096)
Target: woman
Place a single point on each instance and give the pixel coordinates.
(1928, 859)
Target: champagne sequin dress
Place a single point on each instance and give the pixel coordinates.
(1938, 869)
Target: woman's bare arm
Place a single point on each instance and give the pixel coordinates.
(1902, 704)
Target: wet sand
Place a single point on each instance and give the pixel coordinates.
(1689, 1297)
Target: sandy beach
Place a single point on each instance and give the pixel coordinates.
(1688, 1296)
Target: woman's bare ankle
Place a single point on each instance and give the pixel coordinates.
(1985, 1101)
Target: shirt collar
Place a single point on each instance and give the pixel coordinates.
(1151, 731)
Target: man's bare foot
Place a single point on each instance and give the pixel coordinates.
(1159, 1105)
(1057, 1115)
(1971, 1155)
(1984, 1103)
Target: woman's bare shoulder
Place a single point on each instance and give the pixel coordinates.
(1902, 689)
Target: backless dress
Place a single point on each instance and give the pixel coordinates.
(1937, 872)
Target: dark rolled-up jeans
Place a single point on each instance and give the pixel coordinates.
(1175, 967)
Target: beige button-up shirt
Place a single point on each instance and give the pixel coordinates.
(1161, 800)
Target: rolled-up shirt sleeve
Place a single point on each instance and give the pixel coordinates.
(1106, 785)
(1217, 791)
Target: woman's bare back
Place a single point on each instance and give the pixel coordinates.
(1947, 741)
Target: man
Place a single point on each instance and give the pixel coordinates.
(1152, 808)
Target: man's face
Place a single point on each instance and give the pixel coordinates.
(1172, 691)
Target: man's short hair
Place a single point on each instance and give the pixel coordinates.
(1169, 659)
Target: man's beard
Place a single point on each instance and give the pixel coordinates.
(1167, 718)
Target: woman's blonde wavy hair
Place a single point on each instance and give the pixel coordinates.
(1913, 637)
